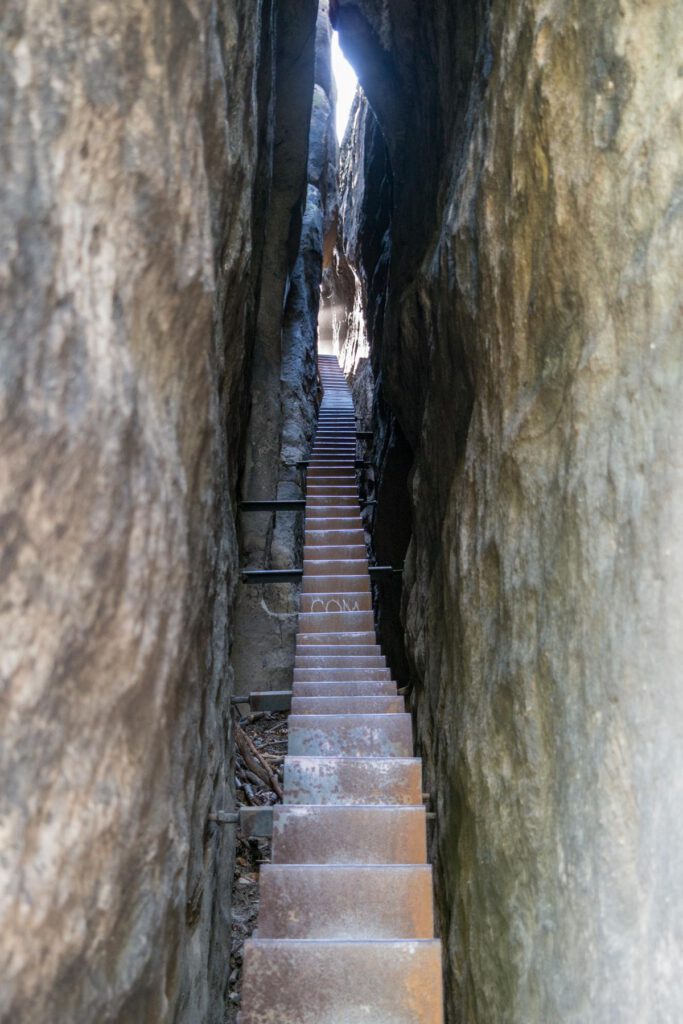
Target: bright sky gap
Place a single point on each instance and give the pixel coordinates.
(345, 78)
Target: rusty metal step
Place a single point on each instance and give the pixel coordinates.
(334, 436)
(312, 584)
(333, 673)
(321, 496)
(334, 639)
(349, 833)
(325, 514)
(339, 661)
(335, 567)
(351, 704)
(345, 901)
(334, 447)
(342, 601)
(315, 502)
(332, 553)
(352, 780)
(344, 473)
(289, 981)
(332, 538)
(345, 688)
(333, 622)
(350, 735)
(352, 521)
(332, 650)
(322, 476)
(324, 490)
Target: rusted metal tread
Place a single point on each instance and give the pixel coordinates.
(352, 780)
(328, 442)
(339, 661)
(351, 735)
(348, 704)
(333, 673)
(331, 476)
(322, 560)
(342, 601)
(353, 664)
(318, 504)
(345, 688)
(349, 834)
(351, 535)
(327, 515)
(289, 981)
(335, 522)
(332, 622)
(322, 501)
(327, 490)
(341, 446)
(312, 584)
(345, 901)
(318, 491)
(337, 622)
(335, 567)
(333, 552)
(343, 650)
(336, 639)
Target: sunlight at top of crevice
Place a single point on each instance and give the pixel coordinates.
(346, 82)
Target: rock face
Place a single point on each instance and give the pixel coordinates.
(139, 160)
(287, 390)
(528, 342)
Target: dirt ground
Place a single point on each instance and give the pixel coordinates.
(261, 744)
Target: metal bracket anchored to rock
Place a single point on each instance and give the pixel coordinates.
(265, 700)
(254, 822)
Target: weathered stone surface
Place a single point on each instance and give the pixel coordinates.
(286, 391)
(137, 153)
(530, 348)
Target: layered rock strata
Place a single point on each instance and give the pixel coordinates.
(528, 342)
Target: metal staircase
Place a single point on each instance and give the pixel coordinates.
(346, 927)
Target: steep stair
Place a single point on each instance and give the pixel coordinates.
(346, 929)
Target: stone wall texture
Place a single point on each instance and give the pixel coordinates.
(286, 389)
(138, 165)
(530, 348)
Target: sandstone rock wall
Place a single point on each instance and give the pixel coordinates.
(530, 349)
(287, 390)
(138, 166)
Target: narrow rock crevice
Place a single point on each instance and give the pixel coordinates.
(494, 255)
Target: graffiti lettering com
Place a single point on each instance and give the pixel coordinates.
(334, 604)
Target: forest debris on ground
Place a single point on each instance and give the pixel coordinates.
(260, 747)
